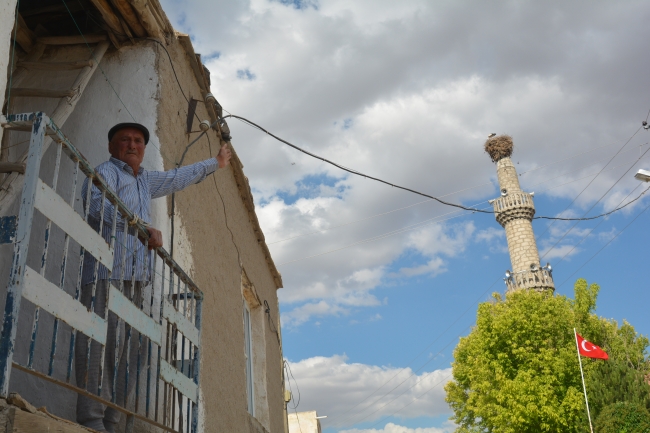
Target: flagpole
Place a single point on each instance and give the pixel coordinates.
(575, 335)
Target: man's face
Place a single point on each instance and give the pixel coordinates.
(128, 145)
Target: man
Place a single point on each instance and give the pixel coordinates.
(136, 187)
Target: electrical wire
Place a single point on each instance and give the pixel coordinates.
(601, 197)
(170, 62)
(596, 226)
(427, 222)
(355, 172)
(355, 406)
(417, 398)
(620, 203)
(606, 245)
(451, 193)
(287, 368)
(439, 200)
(627, 204)
(589, 184)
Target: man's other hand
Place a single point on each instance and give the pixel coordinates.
(223, 158)
(155, 238)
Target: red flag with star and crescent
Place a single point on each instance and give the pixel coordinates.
(589, 349)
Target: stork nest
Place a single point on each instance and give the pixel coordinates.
(499, 147)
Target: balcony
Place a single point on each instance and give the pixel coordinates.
(512, 206)
(539, 279)
(51, 236)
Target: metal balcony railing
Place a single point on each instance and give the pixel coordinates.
(166, 318)
(540, 278)
(513, 205)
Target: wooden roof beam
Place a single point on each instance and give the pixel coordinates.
(72, 40)
(128, 14)
(147, 19)
(24, 36)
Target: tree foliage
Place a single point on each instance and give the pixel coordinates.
(623, 417)
(616, 381)
(518, 371)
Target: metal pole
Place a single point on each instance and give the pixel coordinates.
(575, 334)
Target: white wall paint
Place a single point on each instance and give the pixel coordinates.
(304, 422)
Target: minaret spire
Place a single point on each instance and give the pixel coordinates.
(514, 210)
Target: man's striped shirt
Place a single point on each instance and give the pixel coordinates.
(136, 192)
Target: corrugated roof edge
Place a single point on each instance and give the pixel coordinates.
(238, 171)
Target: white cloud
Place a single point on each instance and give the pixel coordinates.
(394, 428)
(333, 387)
(490, 234)
(408, 91)
(352, 274)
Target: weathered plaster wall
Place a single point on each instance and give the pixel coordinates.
(213, 233)
(220, 236)
(7, 17)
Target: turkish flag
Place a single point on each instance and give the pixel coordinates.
(589, 349)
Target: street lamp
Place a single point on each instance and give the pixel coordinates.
(643, 175)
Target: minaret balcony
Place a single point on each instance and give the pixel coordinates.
(539, 279)
(514, 205)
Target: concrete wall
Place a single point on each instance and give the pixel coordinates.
(304, 422)
(221, 238)
(214, 238)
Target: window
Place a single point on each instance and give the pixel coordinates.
(255, 340)
(248, 353)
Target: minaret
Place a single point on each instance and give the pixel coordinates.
(514, 210)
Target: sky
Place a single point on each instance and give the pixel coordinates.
(379, 283)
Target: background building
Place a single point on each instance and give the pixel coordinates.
(305, 422)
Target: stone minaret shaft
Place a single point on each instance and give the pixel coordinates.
(514, 210)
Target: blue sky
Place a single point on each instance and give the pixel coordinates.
(379, 285)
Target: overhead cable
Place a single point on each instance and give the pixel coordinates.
(607, 244)
(595, 227)
(603, 196)
(432, 221)
(358, 173)
(592, 180)
(324, 230)
(355, 172)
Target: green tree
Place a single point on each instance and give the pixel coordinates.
(616, 381)
(517, 371)
(623, 417)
